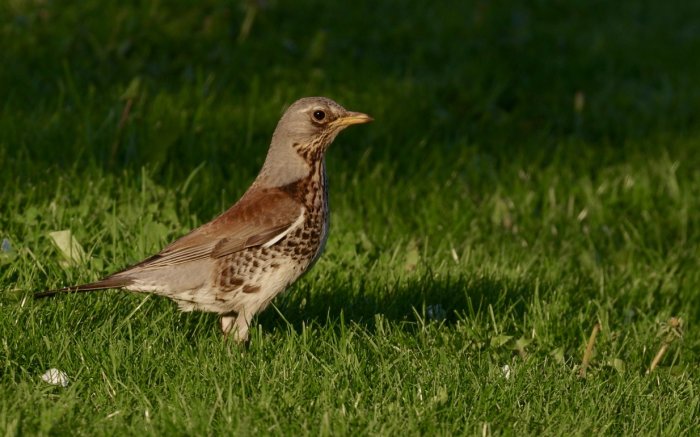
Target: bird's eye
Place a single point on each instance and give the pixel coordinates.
(319, 115)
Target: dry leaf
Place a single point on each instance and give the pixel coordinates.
(69, 246)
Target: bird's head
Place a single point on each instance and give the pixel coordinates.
(303, 135)
(311, 124)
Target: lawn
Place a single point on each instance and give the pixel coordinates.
(532, 176)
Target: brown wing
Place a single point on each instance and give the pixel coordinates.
(256, 219)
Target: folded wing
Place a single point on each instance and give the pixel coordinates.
(255, 220)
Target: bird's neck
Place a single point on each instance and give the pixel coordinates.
(282, 166)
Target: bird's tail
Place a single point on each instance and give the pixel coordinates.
(104, 284)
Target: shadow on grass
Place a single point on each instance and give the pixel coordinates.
(442, 299)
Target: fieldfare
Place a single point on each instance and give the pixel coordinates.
(237, 263)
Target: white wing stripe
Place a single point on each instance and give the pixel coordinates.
(281, 235)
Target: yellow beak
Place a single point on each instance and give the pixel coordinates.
(353, 118)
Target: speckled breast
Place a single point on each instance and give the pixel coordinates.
(305, 244)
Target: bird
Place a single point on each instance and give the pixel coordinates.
(237, 263)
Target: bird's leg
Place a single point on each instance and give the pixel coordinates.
(227, 322)
(235, 326)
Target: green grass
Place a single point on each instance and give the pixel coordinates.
(483, 220)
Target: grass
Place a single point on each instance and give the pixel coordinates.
(533, 171)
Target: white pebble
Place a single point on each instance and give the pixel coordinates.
(506, 371)
(55, 377)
